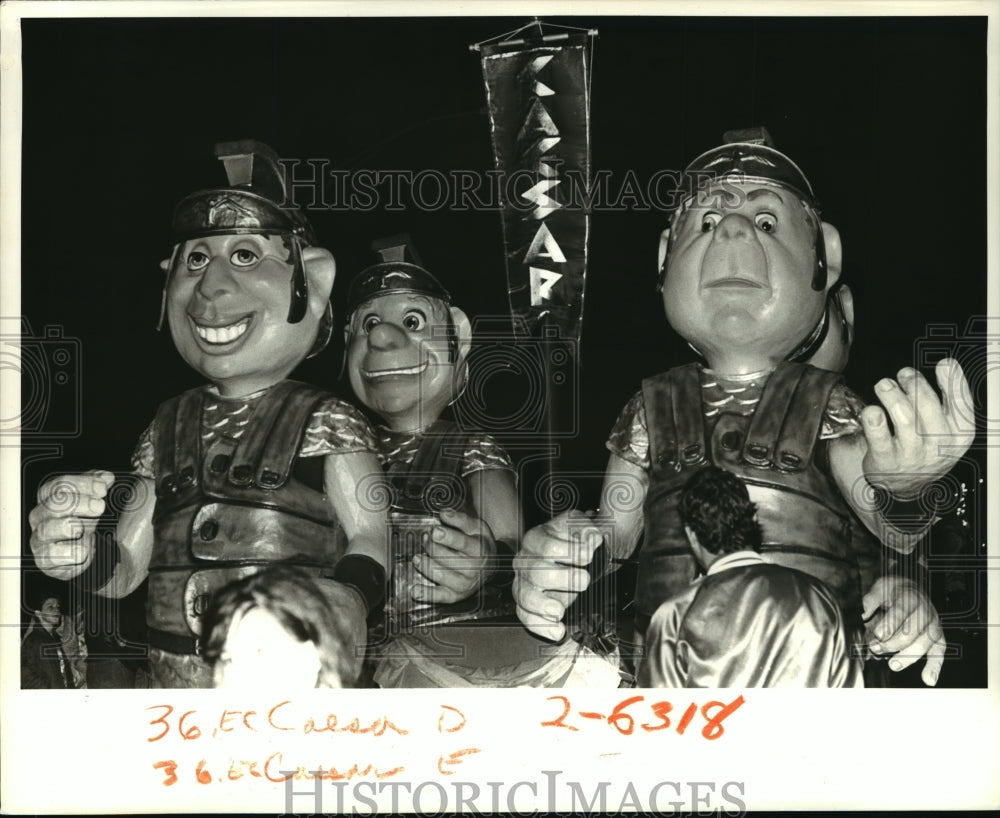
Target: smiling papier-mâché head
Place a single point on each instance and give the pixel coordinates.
(406, 344)
(247, 294)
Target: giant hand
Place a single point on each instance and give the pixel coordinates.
(901, 620)
(930, 434)
(550, 571)
(64, 521)
(454, 561)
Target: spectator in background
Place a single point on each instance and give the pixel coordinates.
(43, 661)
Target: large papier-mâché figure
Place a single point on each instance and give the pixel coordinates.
(749, 278)
(456, 524)
(250, 469)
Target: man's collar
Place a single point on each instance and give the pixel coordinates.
(737, 559)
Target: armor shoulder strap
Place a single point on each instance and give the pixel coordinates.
(285, 439)
(801, 429)
(266, 451)
(674, 420)
(436, 451)
(769, 415)
(177, 441)
(785, 425)
(442, 438)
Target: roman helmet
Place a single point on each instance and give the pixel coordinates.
(399, 270)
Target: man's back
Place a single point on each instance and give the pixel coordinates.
(749, 623)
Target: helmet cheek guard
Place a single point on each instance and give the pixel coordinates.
(171, 270)
(299, 296)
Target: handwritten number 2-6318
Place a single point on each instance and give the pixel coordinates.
(624, 719)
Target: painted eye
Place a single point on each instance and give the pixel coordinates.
(369, 322)
(414, 320)
(709, 222)
(244, 258)
(197, 261)
(766, 222)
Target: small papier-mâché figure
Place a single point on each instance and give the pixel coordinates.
(455, 517)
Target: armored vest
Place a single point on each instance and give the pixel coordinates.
(805, 522)
(227, 511)
(432, 483)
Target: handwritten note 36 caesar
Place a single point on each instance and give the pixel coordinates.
(287, 740)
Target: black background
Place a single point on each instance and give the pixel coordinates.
(885, 115)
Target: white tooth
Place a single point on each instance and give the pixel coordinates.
(223, 335)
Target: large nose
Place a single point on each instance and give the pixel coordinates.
(217, 279)
(386, 336)
(733, 227)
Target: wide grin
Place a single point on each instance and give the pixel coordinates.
(222, 335)
(386, 373)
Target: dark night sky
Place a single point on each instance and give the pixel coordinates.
(885, 115)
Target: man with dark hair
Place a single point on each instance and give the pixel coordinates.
(747, 622)
(43, 661)
(717, 511)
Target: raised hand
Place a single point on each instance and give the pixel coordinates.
(930, 434)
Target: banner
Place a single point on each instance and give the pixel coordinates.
(538, 95)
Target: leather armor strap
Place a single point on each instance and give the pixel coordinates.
(283, 444)
(786, 424)
(801, 430)
(244, 470)
(188, 457)
(689, 418)
(173, 642)
(176, 466)
(674, 422)
(410, 482)
(659, 420)
(770, 415)
(164, 457)
(440, 435)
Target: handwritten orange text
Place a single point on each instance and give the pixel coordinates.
(273, 768)
(624, 716)
(191, 726)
